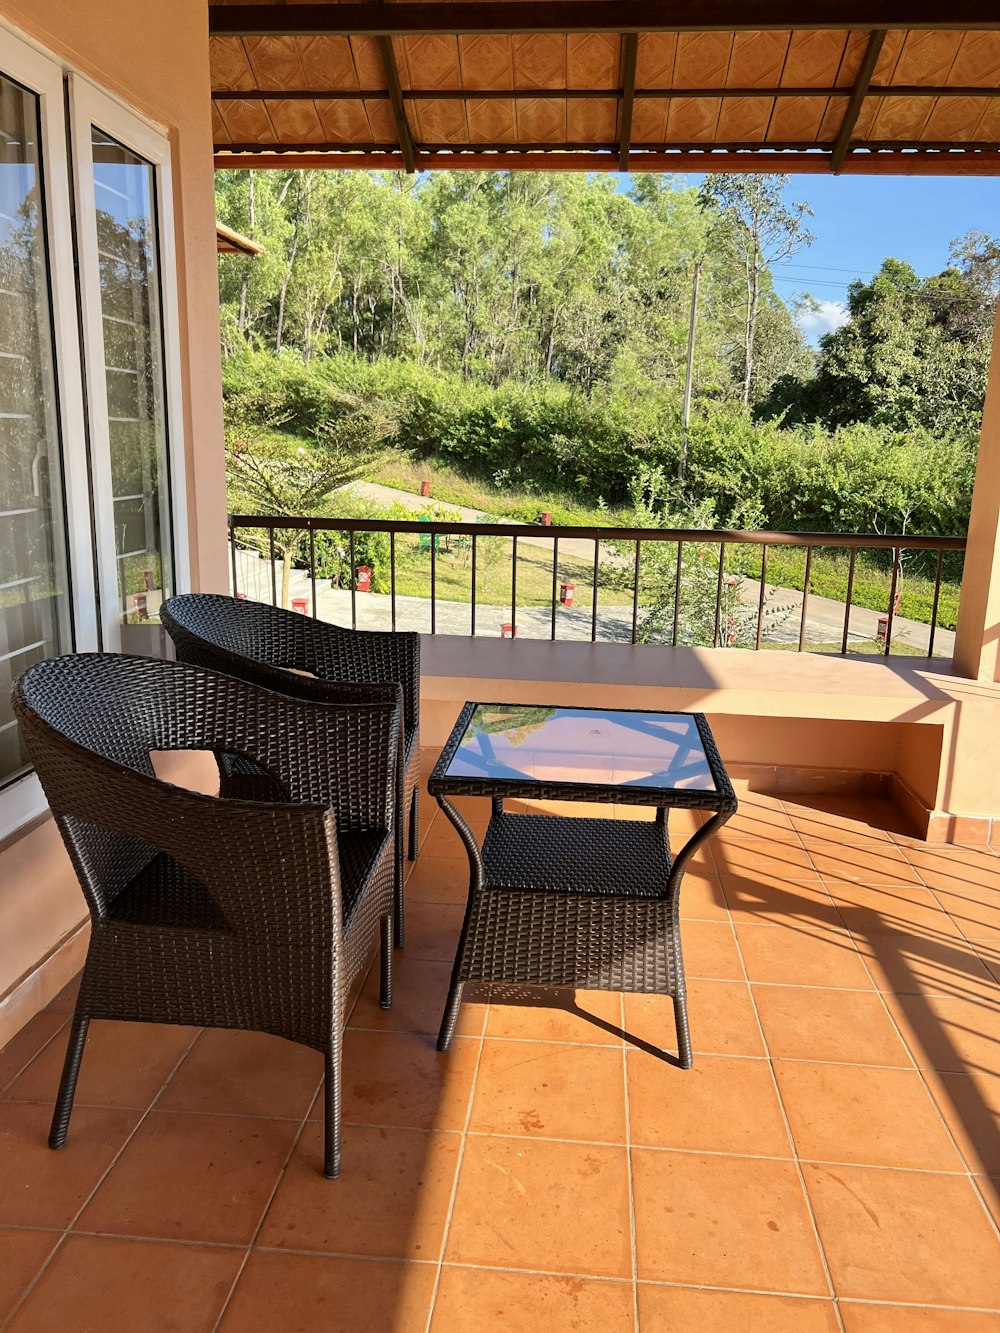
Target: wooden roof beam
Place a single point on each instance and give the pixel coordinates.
(424, 17)
(396, 99)
(583, 94)
(630, 54)
(858, 95)
(977, 163)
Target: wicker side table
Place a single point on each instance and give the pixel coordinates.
(567, 901)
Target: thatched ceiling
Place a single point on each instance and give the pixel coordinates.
(622, 84)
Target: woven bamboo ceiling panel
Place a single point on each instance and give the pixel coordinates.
(632, 85)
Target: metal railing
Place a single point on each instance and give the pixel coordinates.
(471, 534)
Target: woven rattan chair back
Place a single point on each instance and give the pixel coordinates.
(208, 911)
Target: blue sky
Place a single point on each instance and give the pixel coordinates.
(860, 220)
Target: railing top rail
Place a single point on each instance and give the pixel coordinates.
(873, 540)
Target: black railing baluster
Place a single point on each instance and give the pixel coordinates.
(635, 593)
(716, 641)
(760, 598)
(472, 624)
(392, 578)
(232, 555)
(937, 597)
(434, 543)
(354, 581)
(897, 560)
(555, 582)
(513, 590)
(312, 568)
(805, 598)
(593, 612)
(677, 594)
(274, 572)
(847, 606)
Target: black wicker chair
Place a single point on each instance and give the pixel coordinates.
(209, 911)
(259, 643)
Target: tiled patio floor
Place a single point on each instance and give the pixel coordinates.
(831, 1162)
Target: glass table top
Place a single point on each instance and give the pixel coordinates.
(599, 746)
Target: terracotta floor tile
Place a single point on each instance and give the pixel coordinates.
(550, 1091)
(106, 1283)
(25, 1045)
(192, 1177)
(899, 909)
(801, 955)
(989, 1187)
(439, 879)
(245, 1074)
(873, 1117)
(910, 1319)
(691, 1311)
(724, 1222)
(721, 1015)
(989, 953)
(420, 990)
(442, 837)
(750, 856)
(882, 865)
(400, 1078)
(22, 1254)
(974, 874)
(390, 1201)
(759, 899)
(42, 1188)
(547, 1013)
(961, 1036)
(721, 1105)
(847, 819)
(815, 1024)
(432, 931)
(702, 898)
(970, 1103)
(124, 1064)
(314, 1294)
(975, 918)
(553, 1207)
(471, 1298)
(710, 951)
(917, 964)
(65, 1001)
(905, 1236)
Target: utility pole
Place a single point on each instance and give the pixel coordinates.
(686, 416)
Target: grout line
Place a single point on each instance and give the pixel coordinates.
(821, 1248)
(267, 1205)
(446, 1231)
(630, 1172)
(67, 1230)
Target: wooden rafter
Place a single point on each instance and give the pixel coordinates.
(396, 98)
(425, 17)
(984, 162)
(630, 53)
(858, 95)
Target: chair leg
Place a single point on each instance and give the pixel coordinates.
(450, 1015)
(331, 1092)
(385, 967)
(67, 1084)
(683, 1031)
(414, 825)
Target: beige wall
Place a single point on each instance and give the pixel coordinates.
(155, 58)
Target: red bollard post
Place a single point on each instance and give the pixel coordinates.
(301, 604)
(425, 488)
(546, 519)
(364, 578)
(566, 591)
(508, 631)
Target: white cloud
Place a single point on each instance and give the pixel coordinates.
(822, 318)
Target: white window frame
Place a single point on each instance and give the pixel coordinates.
(91, 106)
(23, 799)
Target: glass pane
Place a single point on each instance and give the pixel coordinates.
(128, 250)
(585, 745)
(34, 597)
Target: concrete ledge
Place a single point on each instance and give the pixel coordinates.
(816, 719)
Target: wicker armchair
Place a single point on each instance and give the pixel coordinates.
(207, 911)
(258, 643)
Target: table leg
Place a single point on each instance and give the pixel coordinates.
(450, 1017)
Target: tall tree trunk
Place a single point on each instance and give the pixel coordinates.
(245, 283)
(284, 287)
(750, 331)
(286, 577)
